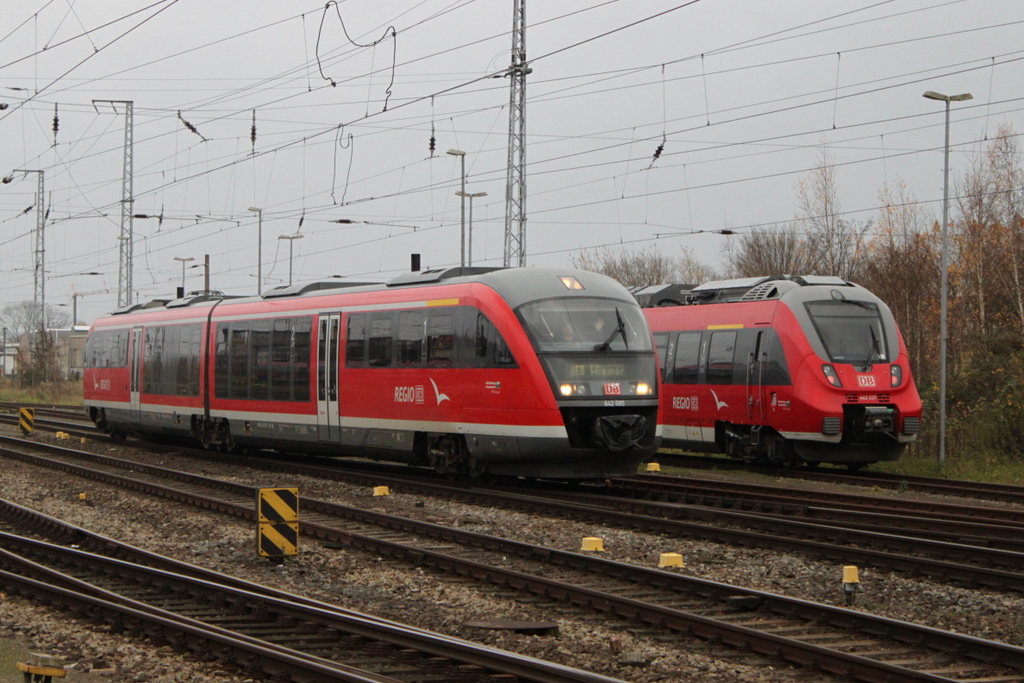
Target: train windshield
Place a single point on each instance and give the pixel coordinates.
(852, 331)
(581, 324)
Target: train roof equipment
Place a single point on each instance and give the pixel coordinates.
(735, 290)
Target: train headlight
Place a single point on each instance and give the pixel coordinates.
(830, 375)
(573, 389)
(643, 389)
(896, 375)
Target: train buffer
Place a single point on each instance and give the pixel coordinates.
(42, 668)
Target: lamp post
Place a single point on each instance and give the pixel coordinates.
(471, 196)
(205, 265)
(259, 251)
(931, 95)
(462, 240)
(291, 244)
(183, 262)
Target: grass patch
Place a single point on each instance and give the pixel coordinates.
(980, 466)
(11, 651)
(54, 393)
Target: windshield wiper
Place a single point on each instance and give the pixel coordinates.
(620, 329)
(875, 350)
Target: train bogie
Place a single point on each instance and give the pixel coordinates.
(784, 370)
(450, 369)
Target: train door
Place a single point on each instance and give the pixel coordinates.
(755, 358)
(327, 405)
(135, 376)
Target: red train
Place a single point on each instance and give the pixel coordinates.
(782, 370)
(518, 372)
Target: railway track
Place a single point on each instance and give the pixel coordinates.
(968, 545)
(249, 624)
(58, 412)
(836, 640)
(968, 553)
(1007, 493)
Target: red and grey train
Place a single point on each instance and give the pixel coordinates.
(512, 372)
(782, 370)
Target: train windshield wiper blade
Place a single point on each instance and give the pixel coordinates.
(620, 329)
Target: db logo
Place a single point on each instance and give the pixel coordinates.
(612, 389)
(866, 380)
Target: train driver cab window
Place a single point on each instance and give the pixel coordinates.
(720, 357)
(380, 340)
(687, 363)
(851, 331)
(441, 338)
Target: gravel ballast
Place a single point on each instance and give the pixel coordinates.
(359, 581)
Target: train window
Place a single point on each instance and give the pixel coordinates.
(410, 338)
(441, 338)
(259, 360)
(152, 363)
(240, 360)
(171, 360)
(720, 357)
(744, 370)
(282, 363)
(355, 341)
(687, 362)
(502, 354)
(321, 365)
(222, 371)
(584, 324)
(301, 352)
(852, 331)
(380, 340)
(195, 350)
(490, 349)
(773, 360)
(107, 349)
(661, 346)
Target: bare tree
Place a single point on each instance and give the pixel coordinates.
(768, 252)
(1005, 179)
(632, 268)
(980, 244)
(23, 321)
(833, 243)
(901, 266)
(690, 270)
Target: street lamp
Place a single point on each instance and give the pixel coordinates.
(462, 240)
(259, 252)
(183, 262)
(291, 244)
(931, 95)
(471, 196)
(205, 265)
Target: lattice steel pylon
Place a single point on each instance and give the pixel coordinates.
(39, 256)
(126, 238)
(515, 188)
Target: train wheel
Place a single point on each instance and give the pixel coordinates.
(779, 451)
(449, 456)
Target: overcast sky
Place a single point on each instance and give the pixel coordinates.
(745, 95)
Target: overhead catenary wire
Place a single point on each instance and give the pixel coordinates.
(163, 186)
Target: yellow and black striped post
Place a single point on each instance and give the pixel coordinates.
(277, 511)
(27, 420)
